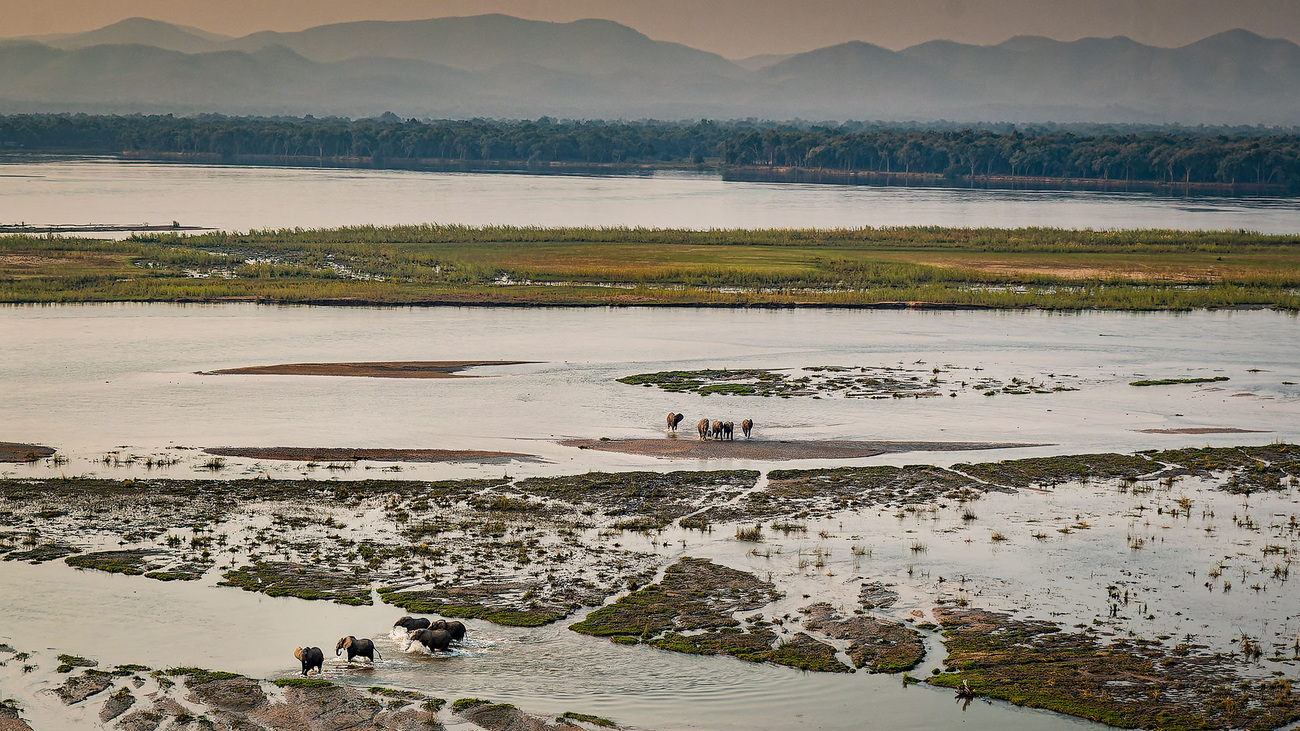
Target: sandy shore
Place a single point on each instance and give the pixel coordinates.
(343, 454)
(15, 452)
(774, 450)
(378, 369)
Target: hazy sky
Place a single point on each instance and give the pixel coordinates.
(734, 28)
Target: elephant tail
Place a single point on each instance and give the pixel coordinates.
(377, 655)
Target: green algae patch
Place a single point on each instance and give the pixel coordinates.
(1139, 685)
(306, 683)
(846, 488)
(691, 611)
(1175, 381)
(68, 662)
(586, 718)
(464, 704)
(301, 581)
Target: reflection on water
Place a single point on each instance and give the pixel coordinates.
(90, 190)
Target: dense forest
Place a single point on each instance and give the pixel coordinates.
(1169, 155)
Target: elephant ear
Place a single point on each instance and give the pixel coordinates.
(347, 642)
(297, 653)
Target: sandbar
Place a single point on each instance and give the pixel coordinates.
(344, 454)
(377, 369)
(774, 450)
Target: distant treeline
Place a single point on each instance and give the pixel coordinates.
(1170, 156)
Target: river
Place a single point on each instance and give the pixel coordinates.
(55, 191)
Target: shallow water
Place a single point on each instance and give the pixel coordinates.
(98, 190)
(121, 379)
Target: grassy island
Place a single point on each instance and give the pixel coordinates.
(460, 265)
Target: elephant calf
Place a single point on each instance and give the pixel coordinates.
(357, 648)
(411, 623)
(436, 640)
(454, 628)
(310, 657)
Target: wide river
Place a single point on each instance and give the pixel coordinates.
(107, 191)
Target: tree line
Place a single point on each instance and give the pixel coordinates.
(1168, 155)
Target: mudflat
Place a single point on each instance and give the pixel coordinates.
(1204, 430)
(377, 369)
(343, 454)
(15, 452)
(774, 450)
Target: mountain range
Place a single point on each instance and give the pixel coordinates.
(500, 66)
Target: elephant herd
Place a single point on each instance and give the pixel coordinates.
(436, 635)
(717, 429)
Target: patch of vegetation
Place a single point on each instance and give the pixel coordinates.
(881, 645)
(587, 718)
(431, 602)
(301, 581)
(465, 704)
(1039, 471)
(131, 563)
(1172, 381)
(1034, 663)
(887, 267)
(697, 594)
(306, 683)
(200, 676)
(844, 488)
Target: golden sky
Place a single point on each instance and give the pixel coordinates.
(733, 28)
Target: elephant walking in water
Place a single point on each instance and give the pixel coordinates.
(747, 426)
(728, 430)
(703, 429)
(717, 428)
(357, 648)
(674, 420)
(310, 657)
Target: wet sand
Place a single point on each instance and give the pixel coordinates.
(15, 452)
(378, 369)
(343, 454)
(687, 448)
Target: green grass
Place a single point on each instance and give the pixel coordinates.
(1000, 268)
(587, 718)
(1172, 381)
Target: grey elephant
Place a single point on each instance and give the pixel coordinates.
(357, 648)
(436, 640)
(674, 420)
(310, 657)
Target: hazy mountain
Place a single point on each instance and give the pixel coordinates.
(141, 31)
(761, 61)
(495, 65)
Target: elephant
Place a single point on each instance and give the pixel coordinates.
(747, 426)
(310, 657)
(357, 648)
(674, 420)
(410, 623)
(454, 628)
(703, 429)
(717, 429)
(728, 430)
(433, 639)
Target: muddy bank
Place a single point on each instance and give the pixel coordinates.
(378, 369)
(15, 452)
(689, 448)
(345, 454)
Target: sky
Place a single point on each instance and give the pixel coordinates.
(733, 28)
